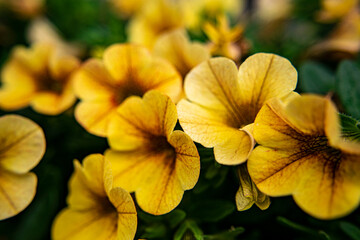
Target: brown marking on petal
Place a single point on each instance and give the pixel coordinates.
(312, 147)
(4, 149)
(8, 199)
(230, 104)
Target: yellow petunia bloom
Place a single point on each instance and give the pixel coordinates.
(150, 158)
(156, 18)
(126, 70)
(176, 47)
(225, 41)
(335, 9)
(344, 41)
(41, 77)
(302, 153)
(95, 209)
(224, 101)
(197, 11)
(22, 147)
(127, 8)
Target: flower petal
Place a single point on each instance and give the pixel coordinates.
(176, 47)
(206, 126)
(23, 143)
(236, 149)
(137, 119)
(95, 116)
(82, 225)
(214, 84)
(264, 76)
(18, 86)
(153, 178)
(278, 172)
(93, 82)
(16, 192)
(187, 164)
(51, 103)
(127, 219)
(62, 65)
(122, 59)
(330, 189)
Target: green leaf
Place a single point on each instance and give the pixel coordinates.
(175, 217)
(189, 226)
(156, 230)
(351, 230)
(348, 87)
(350, 127)
(304, 229)
(315, 78)
(211, 210)
(227, 235)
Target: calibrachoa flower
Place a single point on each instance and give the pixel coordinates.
(302, 153)
(223, 101)
(22, 147)
(176, 47)
(335, 9)
(126, 70)
(196, 12)
(96, 209)
(41, 77)
(150, 158)
(343, 42)
(224, 40)
(155, 18)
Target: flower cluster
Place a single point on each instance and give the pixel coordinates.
(159, 99)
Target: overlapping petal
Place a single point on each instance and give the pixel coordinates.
(160, 162)
(23, 145)
(176, 47)
(296, 157)
(95, 207)
(127, 70)
(223, 99)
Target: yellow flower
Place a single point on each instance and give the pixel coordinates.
(344, 41)
(224, 101)
(335, 9)
(176, 47)
(41, 30)
(95, 209)
(225, 41)
(197, 11)
(22, 147)
(302, 153)
(156, 18)
(125, 70)
(150, 158)
(127, 8)
(40, 77)
(272, 10)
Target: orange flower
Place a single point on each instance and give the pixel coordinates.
(126, 70)
(41, 77)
